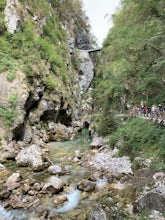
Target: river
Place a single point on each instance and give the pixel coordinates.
(61, 153)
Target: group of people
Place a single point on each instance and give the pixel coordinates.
(155, 111)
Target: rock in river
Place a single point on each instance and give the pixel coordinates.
(31, 156)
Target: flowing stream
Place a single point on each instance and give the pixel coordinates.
(61, 153)
(73, 200)
(20, 214)
(79, 204)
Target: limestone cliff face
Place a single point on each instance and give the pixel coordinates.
(52, 96)
(11, 15)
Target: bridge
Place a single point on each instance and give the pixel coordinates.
(94, 50)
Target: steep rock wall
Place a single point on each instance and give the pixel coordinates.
(48, 107)
(11, 15)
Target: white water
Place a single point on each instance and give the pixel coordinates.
(14, 214)
(73, 200)
(5, 215)
(101, 183)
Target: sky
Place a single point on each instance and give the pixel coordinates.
(96, 10)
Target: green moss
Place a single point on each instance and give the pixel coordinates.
(8, 116)
(50, 83)
(7, 63)
(2, 21)
(40, 7)
(49, 31)
(2, 5)
(55, 62)
(28, 30)
(5, 46)
(13, 100)
(11, 76)
(40, 57)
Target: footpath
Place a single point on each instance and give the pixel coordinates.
(155, 113)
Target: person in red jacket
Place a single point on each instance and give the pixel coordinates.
(144, 110)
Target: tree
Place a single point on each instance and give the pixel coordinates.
(132, 62)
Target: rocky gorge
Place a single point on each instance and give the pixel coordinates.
(53, 164)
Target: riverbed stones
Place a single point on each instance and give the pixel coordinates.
(31, 156)
(153, 200)
(36, 186)
(116, 166)
(98, 214)
(159, 178)
(56, 169)
(60, 199)
(4, 193)
(97, 142)
(77, 156)
(25, 188)
(143, 162)
(13, 181)
(2, 167)
(18, 200)
(7, 150)
(86, 185)
(53, 185)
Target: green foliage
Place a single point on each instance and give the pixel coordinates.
(40, 51)
(104, 123)
(48, 52)
(13, 100)
(34, 66)
(131, 65)
(29, 34)
(5, 46)
(49, 31)
(2, 4)
(56, 61)
(2, 24)
(144, 215)
(8, 116)
(11, 76)
(50, 83)
(71, 10)
(2, 21)
(40, 7)
(55, 34)
(75, 60)
(7, 63)
(140, 138)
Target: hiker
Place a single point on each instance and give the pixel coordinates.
(141, 110)
(153, 111)
(164, 111)
(144, 110)
(148, 112)
(160, 110)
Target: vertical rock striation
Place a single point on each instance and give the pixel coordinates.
(11, 15)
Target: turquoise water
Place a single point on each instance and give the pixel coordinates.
(20, 214)
(59, 153)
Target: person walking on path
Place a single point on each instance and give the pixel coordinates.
(153, 111)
